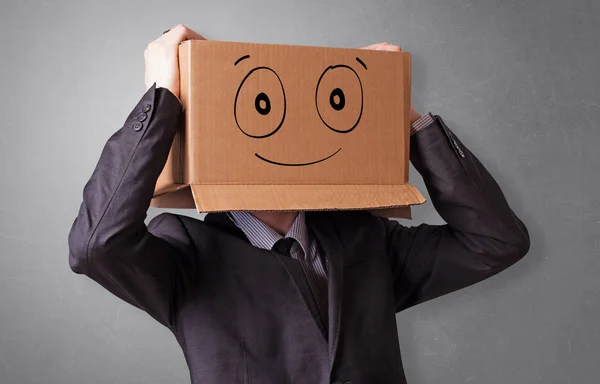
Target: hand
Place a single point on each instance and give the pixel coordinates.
(162, 58)
(414, 116)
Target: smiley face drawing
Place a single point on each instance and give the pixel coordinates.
(331, 98)
(263, 114)
(270, 127)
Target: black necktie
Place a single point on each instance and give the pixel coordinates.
(284, 246)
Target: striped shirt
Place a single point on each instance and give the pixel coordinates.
(305, 249)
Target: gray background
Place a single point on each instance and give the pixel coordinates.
(517, 81)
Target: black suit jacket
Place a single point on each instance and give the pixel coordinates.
(243, 314)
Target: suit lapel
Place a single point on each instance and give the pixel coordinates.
(293, 268)
(331, 246)
(296, 274)
(224, 223)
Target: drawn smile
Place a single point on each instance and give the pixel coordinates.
(296, 164)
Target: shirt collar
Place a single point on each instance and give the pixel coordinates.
(263, 236)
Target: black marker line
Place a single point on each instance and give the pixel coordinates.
(237, 94)
(361, 62)
(361, 98)
(240, 59)
(298, 164)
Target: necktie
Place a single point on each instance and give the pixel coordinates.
(314, 279)
(284, 246)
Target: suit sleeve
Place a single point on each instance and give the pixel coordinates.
(482, 237)
(149, 267)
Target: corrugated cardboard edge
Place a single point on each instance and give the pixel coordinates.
(275, 197)
(181, 197)
(185, 84)
(407, 106)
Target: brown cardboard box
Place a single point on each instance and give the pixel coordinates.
(275, 127)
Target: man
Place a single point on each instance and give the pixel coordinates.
(318, 307)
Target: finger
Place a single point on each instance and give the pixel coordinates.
(372, 46)
(192, 35)
(384, 47)
(376, 47)
(181, 33)
(392, 47)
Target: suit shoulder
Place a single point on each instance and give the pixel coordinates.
(164, 221)
(171, 226)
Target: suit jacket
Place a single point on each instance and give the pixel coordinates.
(245, 315)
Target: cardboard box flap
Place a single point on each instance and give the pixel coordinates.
(180, 198)
(223, 197)
(168, 188)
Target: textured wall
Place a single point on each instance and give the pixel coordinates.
(516, 80)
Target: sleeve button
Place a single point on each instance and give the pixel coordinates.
(137, 126)
(141, 117)
(147, 108)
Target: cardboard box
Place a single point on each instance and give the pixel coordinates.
(277, 127)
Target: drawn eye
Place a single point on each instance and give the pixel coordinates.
(260, 105)
(339, 98)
